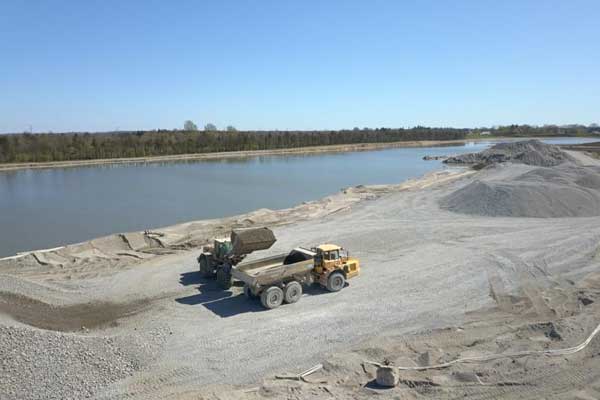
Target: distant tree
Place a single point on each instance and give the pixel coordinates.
(30, 147)
(231, 128)
(356, 129)
(189, 126)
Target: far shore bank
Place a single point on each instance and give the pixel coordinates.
(244, 154)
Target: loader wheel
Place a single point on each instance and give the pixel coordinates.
(336, 282)
(206, 271)
(292, 292)
(224, 279)
(248, 292)
(271, 297)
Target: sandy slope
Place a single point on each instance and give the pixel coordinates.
(173, 334)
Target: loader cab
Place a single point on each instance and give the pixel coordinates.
(222, 247)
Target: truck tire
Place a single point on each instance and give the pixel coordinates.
(271, 297)
(224, 279)
(206, 269)
(335, 282)
(292, 292)
(248, 292)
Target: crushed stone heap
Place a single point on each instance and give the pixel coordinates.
(546, 192)
(530, 152)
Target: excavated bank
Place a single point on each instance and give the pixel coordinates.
(106, 255)
(69, 318)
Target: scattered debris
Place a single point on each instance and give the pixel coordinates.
(435, 158)
(301, 376)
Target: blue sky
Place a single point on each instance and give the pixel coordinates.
(102, 65)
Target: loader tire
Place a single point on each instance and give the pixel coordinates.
(224, 279)
(248, 293)
(271, 297)
(336, 282)
(292, 292)
(206, 270)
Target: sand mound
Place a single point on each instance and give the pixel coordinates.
(530, 152)
(565, 191)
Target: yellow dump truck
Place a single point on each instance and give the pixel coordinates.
(279, 279)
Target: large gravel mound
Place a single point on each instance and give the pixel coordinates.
(565, 191)
(530, 152)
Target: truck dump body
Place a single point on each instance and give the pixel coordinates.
(274, 269)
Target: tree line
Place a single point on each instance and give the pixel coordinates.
(28, 147)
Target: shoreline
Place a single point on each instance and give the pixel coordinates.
(247, 153)
(195, 233)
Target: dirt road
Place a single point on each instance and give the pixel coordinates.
(423, 268)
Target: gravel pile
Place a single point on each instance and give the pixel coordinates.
(36, 364)
(564, 191)
(530, 152)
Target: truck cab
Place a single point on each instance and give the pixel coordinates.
(330, 259)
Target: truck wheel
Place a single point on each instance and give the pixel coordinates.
(206, 270)
(271, 297)
(336, 282)
(224, 279)
(248, 292)
(292, 292)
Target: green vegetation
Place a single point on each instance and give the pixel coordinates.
(533, 131)
(28, 147)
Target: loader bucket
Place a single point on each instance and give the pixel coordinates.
(245, 241)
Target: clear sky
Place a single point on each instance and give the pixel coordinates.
(101, 65)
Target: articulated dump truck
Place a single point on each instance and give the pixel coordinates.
(278, 279)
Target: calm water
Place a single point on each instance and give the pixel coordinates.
(48, 208)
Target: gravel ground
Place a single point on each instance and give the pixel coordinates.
(57, 366)
(423, 268)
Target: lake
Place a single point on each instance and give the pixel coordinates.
(52, 207)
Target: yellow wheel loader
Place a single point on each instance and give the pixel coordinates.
(218, 259)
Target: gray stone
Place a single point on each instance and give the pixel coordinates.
(387, 376)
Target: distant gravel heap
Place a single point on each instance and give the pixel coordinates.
(559, 188)
(564, 191)
(530, 152)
